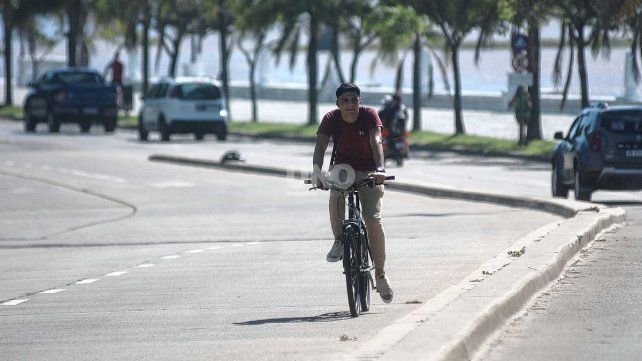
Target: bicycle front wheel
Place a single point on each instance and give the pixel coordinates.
(351, 268)
(365, 279)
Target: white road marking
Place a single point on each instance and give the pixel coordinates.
(117, 273)
(21, 190)
(194, 251)
(86, 281)
(14, 302)
(239, 245)
(54, 290)
(173, 184)
(215, 247)
(171, 257)
(252, 243)
(145, 265)
(99, 176)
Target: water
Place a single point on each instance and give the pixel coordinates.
(606, 77)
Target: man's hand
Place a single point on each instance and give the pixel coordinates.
(318, 179)
(379, 177)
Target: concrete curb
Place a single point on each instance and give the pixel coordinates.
(564, 208)
(455, 324)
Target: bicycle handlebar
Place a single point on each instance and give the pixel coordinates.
(368, 180)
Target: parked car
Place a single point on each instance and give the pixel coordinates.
(184, 105)
(602, 150)
(78, 95)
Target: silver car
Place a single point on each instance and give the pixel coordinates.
(184, 105)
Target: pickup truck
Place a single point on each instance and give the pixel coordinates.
(71, 95)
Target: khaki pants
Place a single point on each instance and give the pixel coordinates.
(370, 199)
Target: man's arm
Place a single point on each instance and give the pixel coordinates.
(317, 159)
(377, 152)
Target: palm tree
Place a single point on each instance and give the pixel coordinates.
(533, 14)
(305, 16)
(457, 19)
(253, 18)
(20, 14)
(588, 23)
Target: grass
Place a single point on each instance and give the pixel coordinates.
(432, 140)
(12, 111)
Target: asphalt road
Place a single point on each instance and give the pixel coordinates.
(106, 255)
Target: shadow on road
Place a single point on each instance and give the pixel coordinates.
(326, 317)
(620, 203)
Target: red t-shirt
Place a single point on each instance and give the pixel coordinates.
(353, 140)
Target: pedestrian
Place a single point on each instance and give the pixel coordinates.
(116, 69)
(523, 104)
(356, 133)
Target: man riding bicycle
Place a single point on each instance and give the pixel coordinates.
(356, 133)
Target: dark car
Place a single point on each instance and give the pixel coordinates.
(76, 95)
(602, 150)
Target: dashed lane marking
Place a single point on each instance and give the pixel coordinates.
(194, 251)
(215, 247)
(145, 265)
(117, 273)
(171, 256)
(86, 281)
(14, 302)
(54, 290)
(172, 184)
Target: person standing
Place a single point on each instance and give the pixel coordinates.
(116, 69)
(356, 132)
(523, 104)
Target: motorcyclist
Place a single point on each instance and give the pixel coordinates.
(393, 116)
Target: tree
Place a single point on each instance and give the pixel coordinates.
(533, 14)
(305, 16)
(20, 13)
(456, 19)
(588, 23)
(253, 18)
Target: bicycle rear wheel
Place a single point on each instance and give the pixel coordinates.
(351, 268)
(365, 278)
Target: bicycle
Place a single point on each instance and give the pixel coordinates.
(356, 250)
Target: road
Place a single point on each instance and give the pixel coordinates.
(106, 255)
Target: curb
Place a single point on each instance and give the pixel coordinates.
(564, 208)
(456, 323)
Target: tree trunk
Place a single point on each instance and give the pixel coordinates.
(459, 119)
(174, 56)
(334, 49)
(581, 65)
(73, 8)
(7, 15)
(534, 130)
(146, 22)
(353, 67)
(222, 29)
(255, 114)
(312, 70)
(416, 85)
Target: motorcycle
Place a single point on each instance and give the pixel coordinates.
(395, 139)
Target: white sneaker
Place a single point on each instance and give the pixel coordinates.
(336, 252)
(384, 289)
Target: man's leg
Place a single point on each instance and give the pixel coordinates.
(371, 211)
(337, 214)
